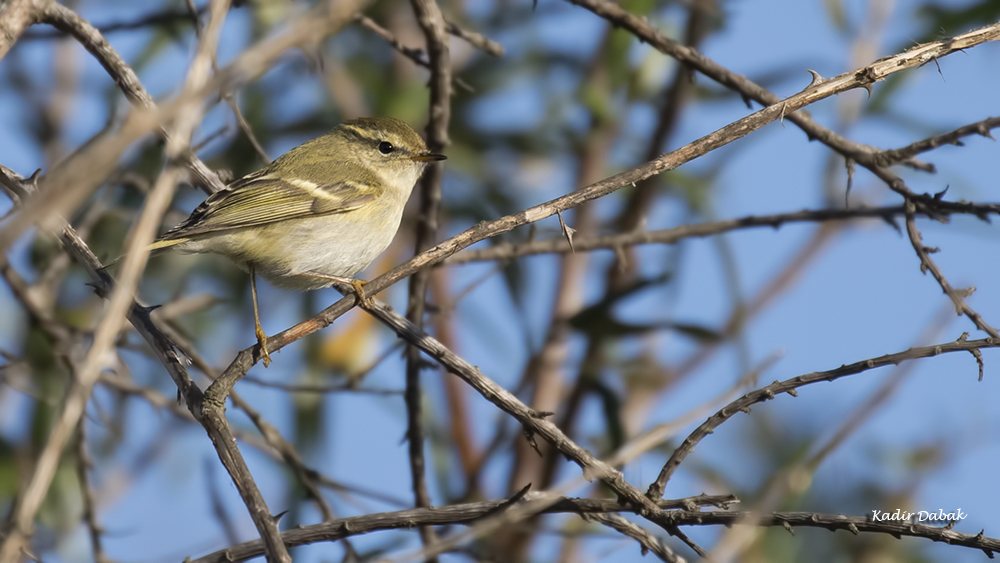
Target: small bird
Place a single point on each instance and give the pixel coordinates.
(317, 215)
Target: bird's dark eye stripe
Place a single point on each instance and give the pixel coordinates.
(385, 147)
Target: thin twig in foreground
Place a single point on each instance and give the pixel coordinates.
(789, 386)
(455, 514)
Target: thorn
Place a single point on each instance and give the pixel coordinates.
(277, 517)
(816, 78)
(567, 231)
(509, 502)
(892, 222)
(516, 497)
(938, 65)
(940, 194)
(966, 292)
(529, 435)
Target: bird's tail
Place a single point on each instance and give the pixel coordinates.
(155, 249)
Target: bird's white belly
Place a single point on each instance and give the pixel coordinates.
(333, 245)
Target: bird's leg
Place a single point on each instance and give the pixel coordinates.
(357, 284)
(258, 330)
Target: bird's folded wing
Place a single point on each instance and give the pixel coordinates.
(261, 199)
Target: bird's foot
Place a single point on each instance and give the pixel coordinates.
(262, 342)
(357, 284)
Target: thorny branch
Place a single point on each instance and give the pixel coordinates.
(789, 386)
(462, 514)
(510, 251)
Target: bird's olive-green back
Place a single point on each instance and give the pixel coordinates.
(337, 172)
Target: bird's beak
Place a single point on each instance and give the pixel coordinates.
(428, 157)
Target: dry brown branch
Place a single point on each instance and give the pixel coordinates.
(894, 156)
(747, 88)
(648, 541)
(432, 24)
(455, 514)
(533, 421)
(794, 477)
(957, 296)
(415, 55)
(346, 527)
(475, 39)
(510, 251)
(83, 466)
(165, 18)
(15, 17)
(927, 203)
(789, 386)
(229, 97)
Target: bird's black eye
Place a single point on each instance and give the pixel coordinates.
(385, 147)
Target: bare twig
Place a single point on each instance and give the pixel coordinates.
(509, 251)
(796, 475)
(83, 465)
(789, 386)
(641, 28)
(228, 96)
(533, 421)
(15, 17)
(414, 54)
(475, 39)
(431, 21)
(648, 541)
(455, 514)
(346, 527)
(164, 18)
(957, 296)
(894, 156)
